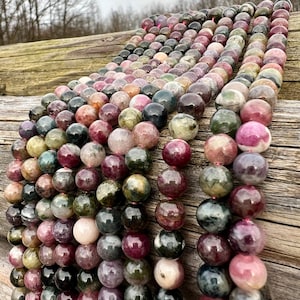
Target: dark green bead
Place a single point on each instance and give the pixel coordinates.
(109, 193)
(102, 71)
(17, 276)
(67, 96)
(144, 44)
(149, 52)
(136, 188)
(77, 134)
(47, 275)
(169, 244)
(137, 271)
(29, 193)
(109, 247)
(171, 43)
(134, 217)
(138, 51)
(37, 112)
(85, 205)
(124, 53)
(48, 162)
(161, 38)
(155, 113)
(138, 160)
(225, 121)
(137, 292)
(130, 47)
(117, 59)
(166, 49)
(149, 90)
(108, 220)
(87, 281)
(213, 215)
(214, 281)
(47, 99)
(14, 235)
(75, 103)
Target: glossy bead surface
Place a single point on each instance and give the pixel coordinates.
(68, 155)
(92, 154)
(114, 167)
(213, 249)
(129, 117)
(65, 278)
(109, 193)
(239, 294)
(137, 271)
(109, 247)
(32, 280)
(85, 231)
(48, 161)
(183, 126)
(213, 215)
(64, 254)
(250, 168)
(138, 160)
(169, 294)
(99, 131)
(145, 135)
(85, 205)
(155, 113)
(216, 181)
(141, 292)
(15, 256)
(134, 217)
(169, 273)
(77, 134)
(108, 220)
(247, 201)
(86, 256)
(110, 273)
(177, 153)
(214, 281)
(136, 245)
(120, 141)
(63, 230)
(107, 293)
(248, 272)
(30, 258)
(192, 104)
(253, 136)
(62, 206)
(171, 183)
(169, 244)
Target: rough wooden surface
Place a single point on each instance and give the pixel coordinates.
(281, 220)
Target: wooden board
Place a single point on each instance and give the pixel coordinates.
(281, 220)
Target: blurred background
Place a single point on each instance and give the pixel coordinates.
(34, 20)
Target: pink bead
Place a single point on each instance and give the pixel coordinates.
(45, 232)
(145, 135)
(177, 152)
(85, 231)
(120, 141)
(139, 101)
(248, 272)
(253, 137)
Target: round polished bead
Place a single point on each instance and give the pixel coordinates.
(257, 110)
(63, 230)
(68, 155)
(145, 135)
(107, 293)
(109, 247)
(86, 256)
(63, 180)
(13, 192)
(108, 220)
(134, 217)
(213, 215)
(86, 115)
(214, 281)
(155, 113)
(245, 236)
(17, 277)
(109, 113)
(216, 181)
(169, 273)
(44, 233)
(220, 149)
(166, 98)
(15, 256)
(49, 292)
(183, 126)
(213, 249)
(253, 136)
(248, 272)
(14, 235)
(64, 254)
(263, 92)
(192, 104)
(87, 179)
(64, 119)
(47, 275)
(169, 244)
(18, 149)
(35, 146)
(200, 89)
(77, 134)
(27, 129)
(92, 154)
(137, 271)
(62, 206)
(65, 278)
(169, 294)
(48, 161)
(120, 141)
(114, 167)
(32, 280)
(110, 273)
(129, 117)
(141, 292)
(85, 231)
(85, 205)
(55, 138)
(171, 183)
(31, 259)
(109, 193)
(138, 160)
(13, 214)
(225, 121)
(37, 112)
(19, 293)
(239, 294)
(46, 255)
(28, 215)
(44, 186)
(136, 245)
(247, 201)
(230, 99)
(99, 131)
(44, 125)
(177, 153)
(250, 168)
(136, 188)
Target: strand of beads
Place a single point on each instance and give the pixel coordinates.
(246, 238)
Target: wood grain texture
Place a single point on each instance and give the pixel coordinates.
(281, 220)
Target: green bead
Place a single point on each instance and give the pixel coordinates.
(183, 126)
(87, 281)
(136, 188)
(129, 117)
(62, 206)
(109, 193)
(31, 259)
(138, 160)
(55, 138)
(137, 271)
(85, 205)
(43, 209)
(14, 235)
(216, 181)
(48, 162)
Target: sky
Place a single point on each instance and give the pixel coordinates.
(107, 5)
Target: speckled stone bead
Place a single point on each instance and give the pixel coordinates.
(239, 294)
(110, 273)
(230, 99)
(129, 117)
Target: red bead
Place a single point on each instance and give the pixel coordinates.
(136, 245)
(177, 153)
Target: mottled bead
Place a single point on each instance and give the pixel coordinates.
(109, 247)
(48, 161)
(61, 206)
(214, 281)
(225, 121)
(220, 149)
(171, 183)
(68, 155)
(27, 129)
(107, 293)
(87, 179)
(77, 134)
(13, 192)
(136, 188)
(44, 186)
(32, 280)
(108, 193)
(63, 180)
(110, 273)
(114, 167)
(120, 141)
(169, 273)
(248, 272)
(213, 249)
(49, 292)
(137, 271)
(230, 99)
(85, 205)
(85, 231)
(263, 92)
(239, 294)
(169, 294)
(43, 209)
(55, 138)
(63, 230)
(35, 146)
(15, 256)
(108, 220)
(247, 201)
(183, 126)
(247, 237)
(136, 245)
(257, 110)
(145, 135)
(86, 115)
(140, 101)
(18, 149)
(213, 215)
(141, 292)
(216, 181)
(169, 244)
(86, 256)
(138, 160)
(44, 234)
(253, 136)
(64, 254)
(31, 259)
(18, 293)
(64, 119)
(99, 131)
(17, 277)
(129, 117)
(155, 113)
(92, 154)
(250, 168)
